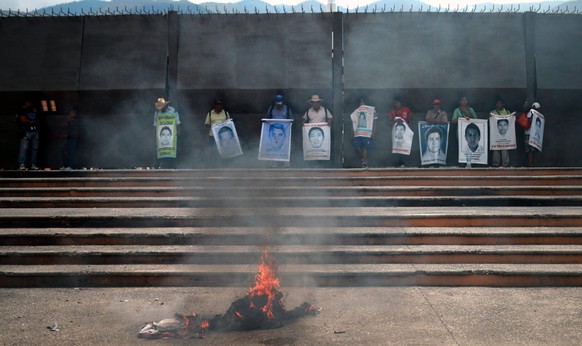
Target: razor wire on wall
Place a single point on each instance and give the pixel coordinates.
(284, 9)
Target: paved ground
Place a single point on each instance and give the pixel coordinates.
(350, 316)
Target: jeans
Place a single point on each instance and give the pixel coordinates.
(500, 158)
(29, 140)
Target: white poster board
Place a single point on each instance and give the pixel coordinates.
(316, 141)
(226, 139)
(472, 136)
(275, 144)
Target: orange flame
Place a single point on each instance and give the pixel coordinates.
(204, 326)
(266, 283)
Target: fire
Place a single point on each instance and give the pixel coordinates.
(261, 308)
(267, 284)
(204, 326)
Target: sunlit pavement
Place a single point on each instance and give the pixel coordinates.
(349, 316)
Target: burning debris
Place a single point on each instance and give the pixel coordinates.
(261, 308)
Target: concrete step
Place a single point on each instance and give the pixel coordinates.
(290, 254)
(286, 202)
(293, 217)
(295, 172)
(251, 236)
(362, 180)
(320, 275)
(290, 191)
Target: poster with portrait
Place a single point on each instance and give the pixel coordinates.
(536, 131)
(226, 139)
(502, 132)
(402, 136)
(275, 144)
(166, 135)
(363, 121)
(316, 141)
(472, 136)
(434, 142)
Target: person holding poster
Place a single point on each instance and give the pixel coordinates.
(363, 126)
(400, 117)
(166, 123)
(535, 134)
(217, 115)
(436, 115)
(275, 144)
(317, 113)
(316, 116)
(464, 111)
(501, 138)
(279, 110)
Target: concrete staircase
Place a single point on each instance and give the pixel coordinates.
(444, 227)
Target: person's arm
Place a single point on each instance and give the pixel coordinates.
(456, 115)
(207, 121)
(304, 118)
(329, 118)
(178, 123)
(391, 116)
(428, 118)
(444, 118)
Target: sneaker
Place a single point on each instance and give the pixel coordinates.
(34, 168)
(22, 167)
(364, 164)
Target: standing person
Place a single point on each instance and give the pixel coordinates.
(216, 115)
(69, 151)
(500, 157)
(436, 115)
(167, 126)
(364, 128)
(464, 111)
(279, 110)
(317, 113)
(529, 150)
(28, 125)
(398, 114)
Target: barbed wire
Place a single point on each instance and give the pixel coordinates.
(198, 10)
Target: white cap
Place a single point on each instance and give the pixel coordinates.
(535, 105)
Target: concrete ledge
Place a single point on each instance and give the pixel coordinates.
(293, 217)
(494, 275)
(291, 254)
(286, 202)
(292, 236)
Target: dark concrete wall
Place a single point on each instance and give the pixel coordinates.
(114, 67)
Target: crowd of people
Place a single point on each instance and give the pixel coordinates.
(364, 131)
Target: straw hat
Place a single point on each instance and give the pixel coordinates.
(315, 98)
(161, 103)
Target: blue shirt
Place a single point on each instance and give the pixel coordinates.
(275, 113)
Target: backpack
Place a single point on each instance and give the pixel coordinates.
(307, 118)
(270, 112)
(210, 116)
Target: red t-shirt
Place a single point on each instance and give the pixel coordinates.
(404, 112)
